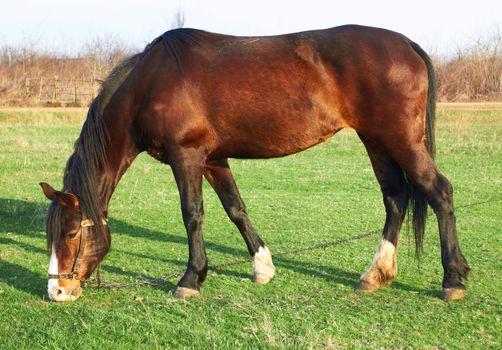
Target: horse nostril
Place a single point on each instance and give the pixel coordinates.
(75, 292)
(59, 291)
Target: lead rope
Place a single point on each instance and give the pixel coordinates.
(98, 281)
(161, 279)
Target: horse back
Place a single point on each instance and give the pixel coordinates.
(262, 97)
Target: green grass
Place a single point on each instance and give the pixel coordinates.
(325, 193)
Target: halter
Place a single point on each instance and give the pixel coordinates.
(84, 228)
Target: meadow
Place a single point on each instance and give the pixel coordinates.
(325, 193)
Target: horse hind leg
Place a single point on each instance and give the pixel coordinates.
(383, 270)
(221, 179)
(425, 176)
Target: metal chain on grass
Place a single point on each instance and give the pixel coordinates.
(98, 281)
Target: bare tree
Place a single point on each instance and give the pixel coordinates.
(474, 73)
(178, 20)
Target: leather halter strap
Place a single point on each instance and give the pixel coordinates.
(84, 228)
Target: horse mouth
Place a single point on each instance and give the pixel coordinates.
(60, 294)
(75, 293)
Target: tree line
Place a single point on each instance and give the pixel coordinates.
(34, 77)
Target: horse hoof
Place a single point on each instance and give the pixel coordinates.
(451, 294)
(261, 279)
(185, 293)
(367, 287)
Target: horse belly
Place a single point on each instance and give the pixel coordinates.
(278, 133)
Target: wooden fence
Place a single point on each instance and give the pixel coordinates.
(60, 91)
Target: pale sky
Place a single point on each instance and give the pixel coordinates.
(65, 25)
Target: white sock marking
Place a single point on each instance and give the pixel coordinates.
(384, 256)
(263, 266)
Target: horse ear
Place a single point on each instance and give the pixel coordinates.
(48, 190)
(64, 198)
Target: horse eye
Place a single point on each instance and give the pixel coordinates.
(72, 235)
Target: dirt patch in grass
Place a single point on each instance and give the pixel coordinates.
(455, 106)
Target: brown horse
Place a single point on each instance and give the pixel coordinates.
(193, 99)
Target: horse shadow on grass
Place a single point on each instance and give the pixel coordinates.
(22, 279)
(27, 218)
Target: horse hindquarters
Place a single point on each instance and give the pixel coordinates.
(396, 121)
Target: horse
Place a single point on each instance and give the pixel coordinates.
(193, 99)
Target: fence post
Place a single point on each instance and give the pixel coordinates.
(54, 90)
(75, 91)
(26, 88)
(40, 89)
(55, 95)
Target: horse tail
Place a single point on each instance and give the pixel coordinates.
(418, 202)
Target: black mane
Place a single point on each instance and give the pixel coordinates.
(178, 40)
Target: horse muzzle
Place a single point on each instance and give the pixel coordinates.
(64, 293)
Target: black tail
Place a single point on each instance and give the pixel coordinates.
(418, 203)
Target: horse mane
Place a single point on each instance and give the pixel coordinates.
(89, 154)
(176, 41)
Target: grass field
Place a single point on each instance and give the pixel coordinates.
(325, 193)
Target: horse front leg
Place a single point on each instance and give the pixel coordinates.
(221, 179)
(187, 171)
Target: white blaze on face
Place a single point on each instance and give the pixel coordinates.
(53, 269)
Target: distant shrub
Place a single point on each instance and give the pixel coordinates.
(35, 77)
(473, 74)
(31, 76)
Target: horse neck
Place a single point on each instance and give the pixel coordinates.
(120, 152)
